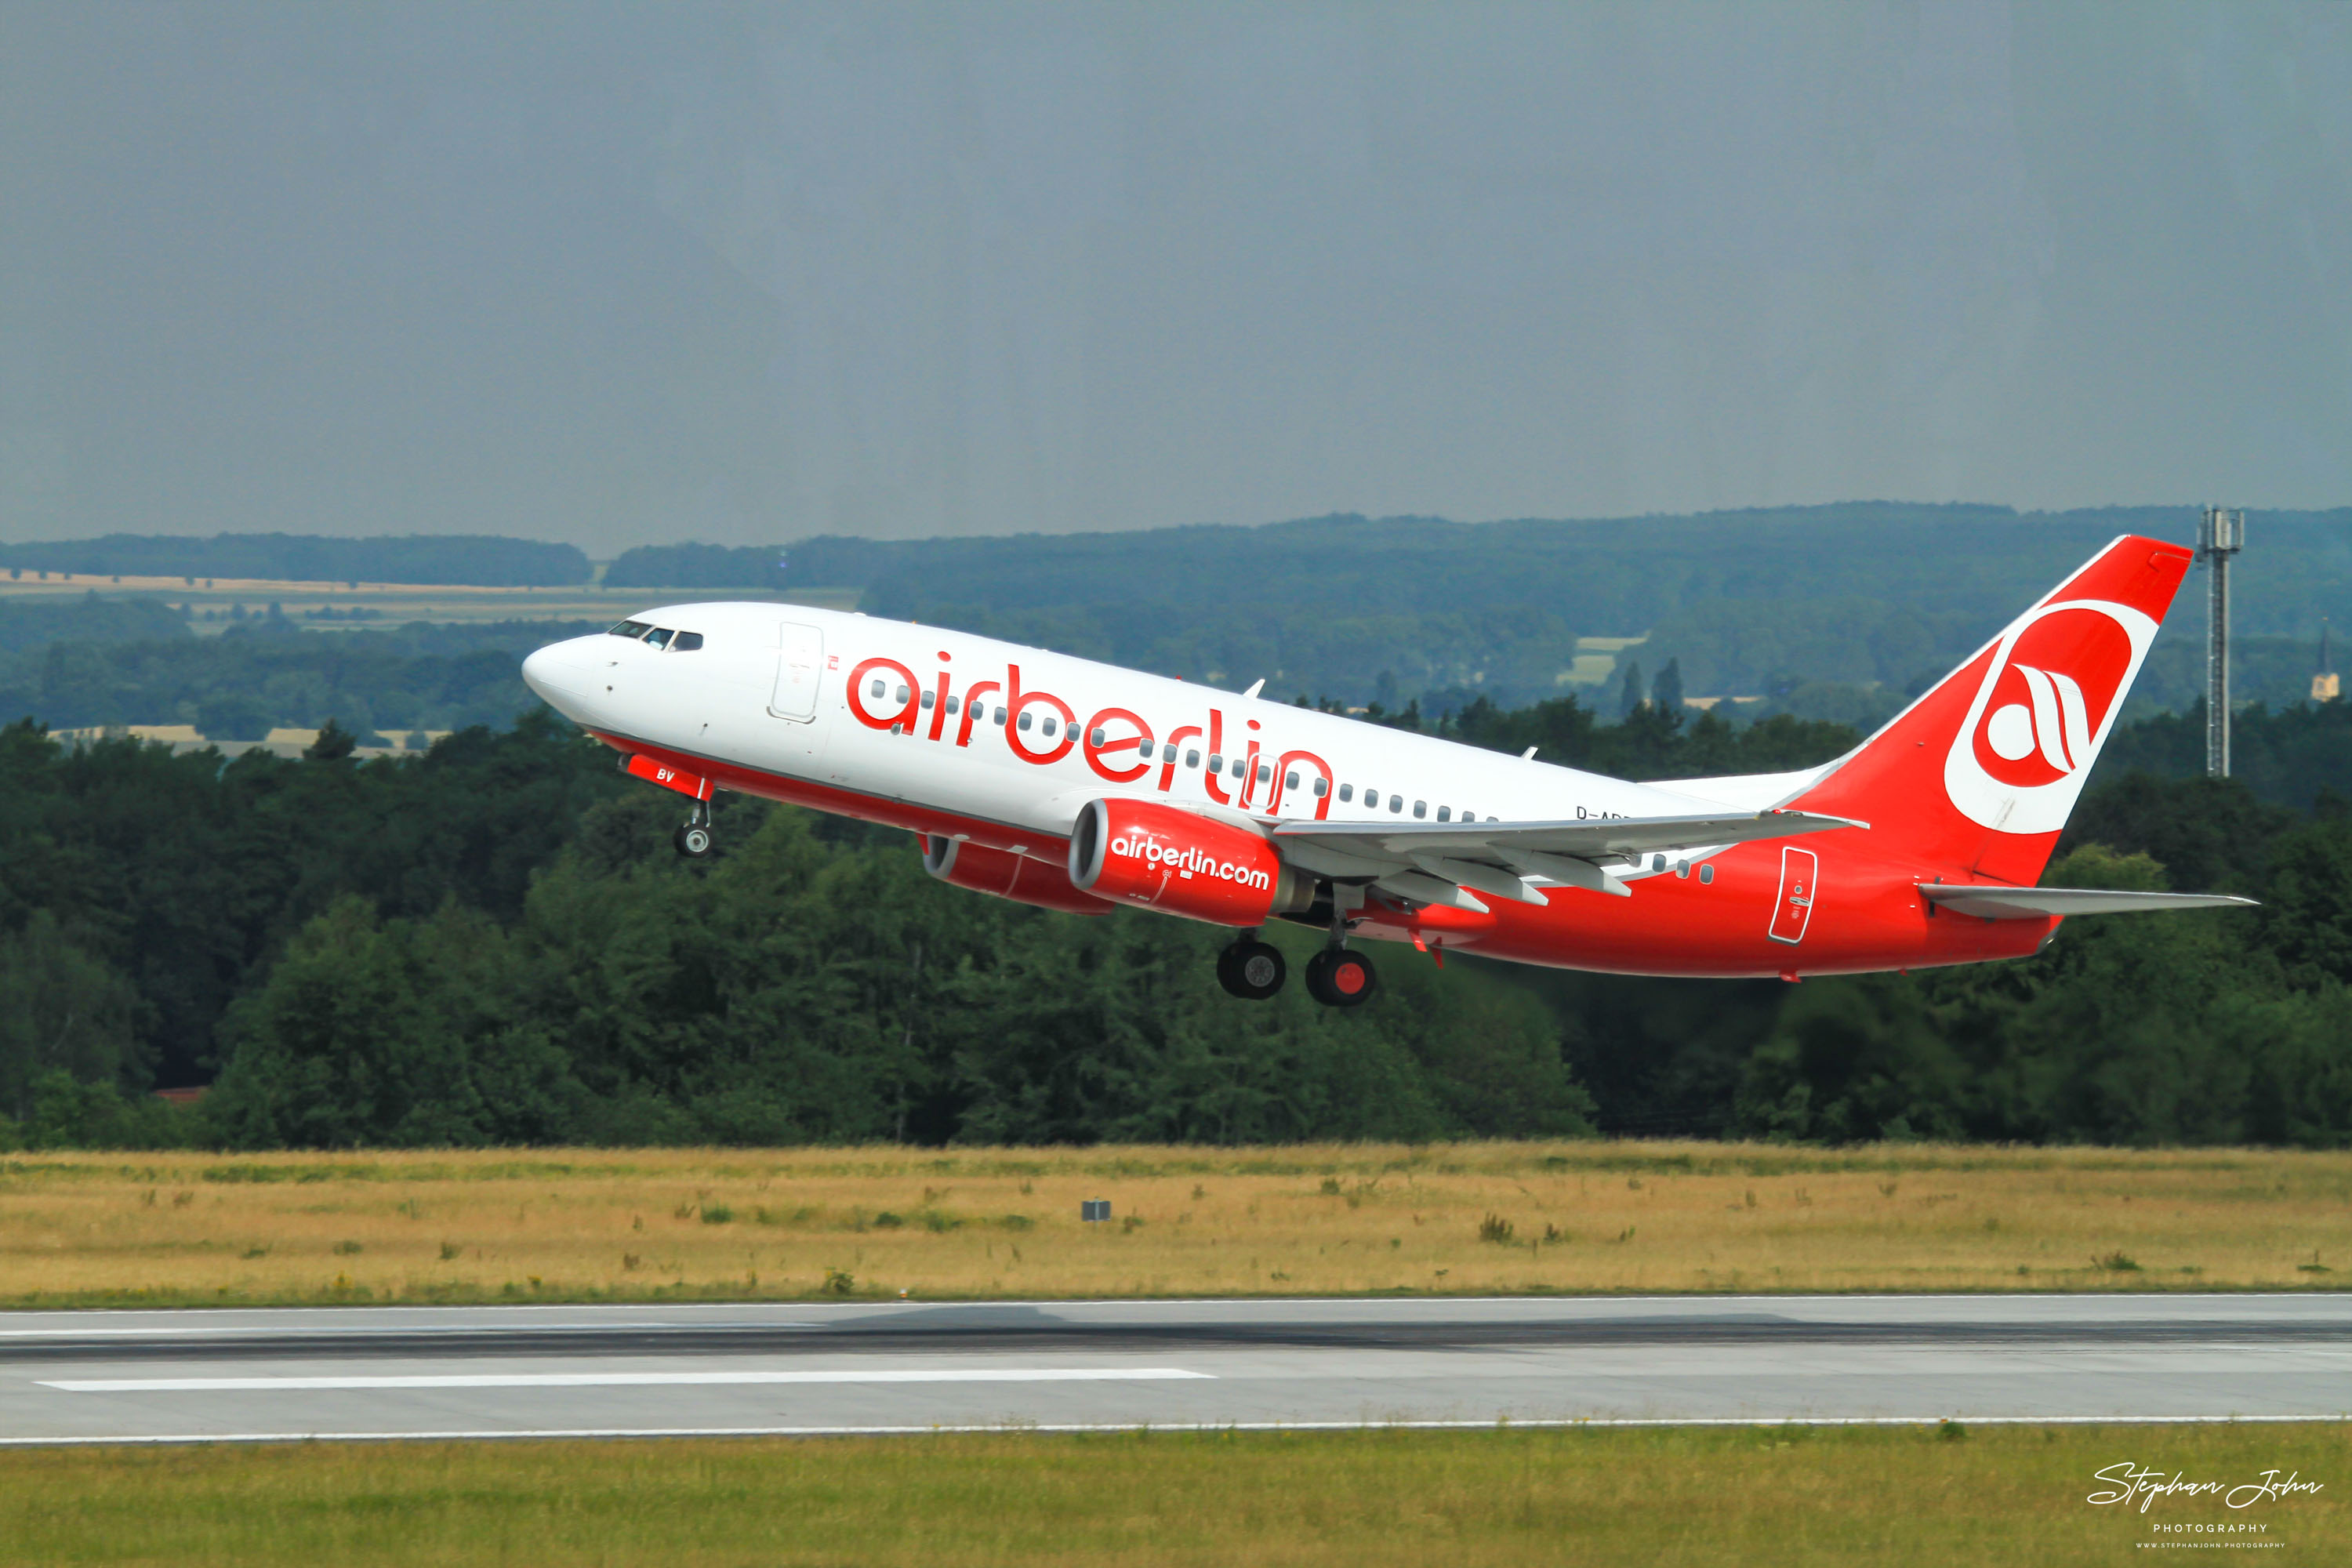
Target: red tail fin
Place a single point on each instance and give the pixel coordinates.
(1980, 773)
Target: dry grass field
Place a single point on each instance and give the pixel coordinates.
(1986, 1495)
(78, 1228)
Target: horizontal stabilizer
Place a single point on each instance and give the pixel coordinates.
(1996, 903)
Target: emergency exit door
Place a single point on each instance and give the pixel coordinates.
(800, 663)
(1800, 873)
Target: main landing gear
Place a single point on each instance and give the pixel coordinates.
(693, 838)
(1342, 977)
(1337, 976)
(1250, 969)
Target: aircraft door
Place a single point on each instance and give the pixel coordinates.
(799, 665)
(1794, 910)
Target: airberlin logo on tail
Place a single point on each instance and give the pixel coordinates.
(2049, 696)
(2057, 723)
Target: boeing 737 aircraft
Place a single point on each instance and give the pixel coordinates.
(1081, 786)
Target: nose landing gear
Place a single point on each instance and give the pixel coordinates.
(693, 838)
(1250, 969)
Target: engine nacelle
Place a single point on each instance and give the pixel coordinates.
(1182, 863)
(1006, 876)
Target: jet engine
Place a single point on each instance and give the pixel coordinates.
(1182, 863)
(1006, 876)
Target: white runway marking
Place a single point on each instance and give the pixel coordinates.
(623, 1379)
(599, 1434)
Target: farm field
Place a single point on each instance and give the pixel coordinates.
(390, 605)
(555, 1224)
(1758, 1496)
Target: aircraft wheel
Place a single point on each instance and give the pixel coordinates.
(693, 840)
(1342, 977)
(1250, 969)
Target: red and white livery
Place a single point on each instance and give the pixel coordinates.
(1081, 786)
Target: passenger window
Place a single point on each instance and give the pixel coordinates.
(1682, 868)
(1265, 772)
(1094, 739)
(1372, 800)
(1290, 781)
(1216, 763)
(1445, 814)
(1396, 803)
(1192, 759)
(686, 642)
(1421, 808)
(1023, 725)
(1322, 788)
(1347, 792)
(1657, 862)
(1143, 749)
(902, 694)
(1048, 727)
(999, 718)
(929, 697)
(659, 637)
(630, 629)
(954, 703)
(1706, 873)
(877, 690)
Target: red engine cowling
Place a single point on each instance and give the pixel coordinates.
(1182, 863)
(1007, 876)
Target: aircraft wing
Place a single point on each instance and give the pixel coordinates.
(1996, 903)
(1435, 861)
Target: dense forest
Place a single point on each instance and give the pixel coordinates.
(494, 943)
(134, 662)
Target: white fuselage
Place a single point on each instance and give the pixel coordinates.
(993, 764)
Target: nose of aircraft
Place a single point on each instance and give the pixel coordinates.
(557, 673)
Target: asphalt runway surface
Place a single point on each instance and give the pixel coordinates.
(653, 1370)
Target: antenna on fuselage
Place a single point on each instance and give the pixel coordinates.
(1528, 756)
(1255, 686)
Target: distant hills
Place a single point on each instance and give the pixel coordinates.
(477, 559)
(1831, 611)
(1868, 595)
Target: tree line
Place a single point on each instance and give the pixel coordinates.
(495, 943)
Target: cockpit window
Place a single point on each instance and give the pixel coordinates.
(688, 641)
(631, 630)
(659, 637)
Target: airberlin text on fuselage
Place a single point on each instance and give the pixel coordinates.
(1111, 741)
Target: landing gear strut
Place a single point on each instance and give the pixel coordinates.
(1250, 969)
(693, 840)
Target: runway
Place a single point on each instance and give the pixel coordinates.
(832, 1368)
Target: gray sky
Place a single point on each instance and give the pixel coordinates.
(618, 274)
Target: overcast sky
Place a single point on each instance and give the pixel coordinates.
(618, 274)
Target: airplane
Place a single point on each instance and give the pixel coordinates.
(1083, 788)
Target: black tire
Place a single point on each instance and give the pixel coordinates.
(1251, 970)
(1342, 977)
(693, 841)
